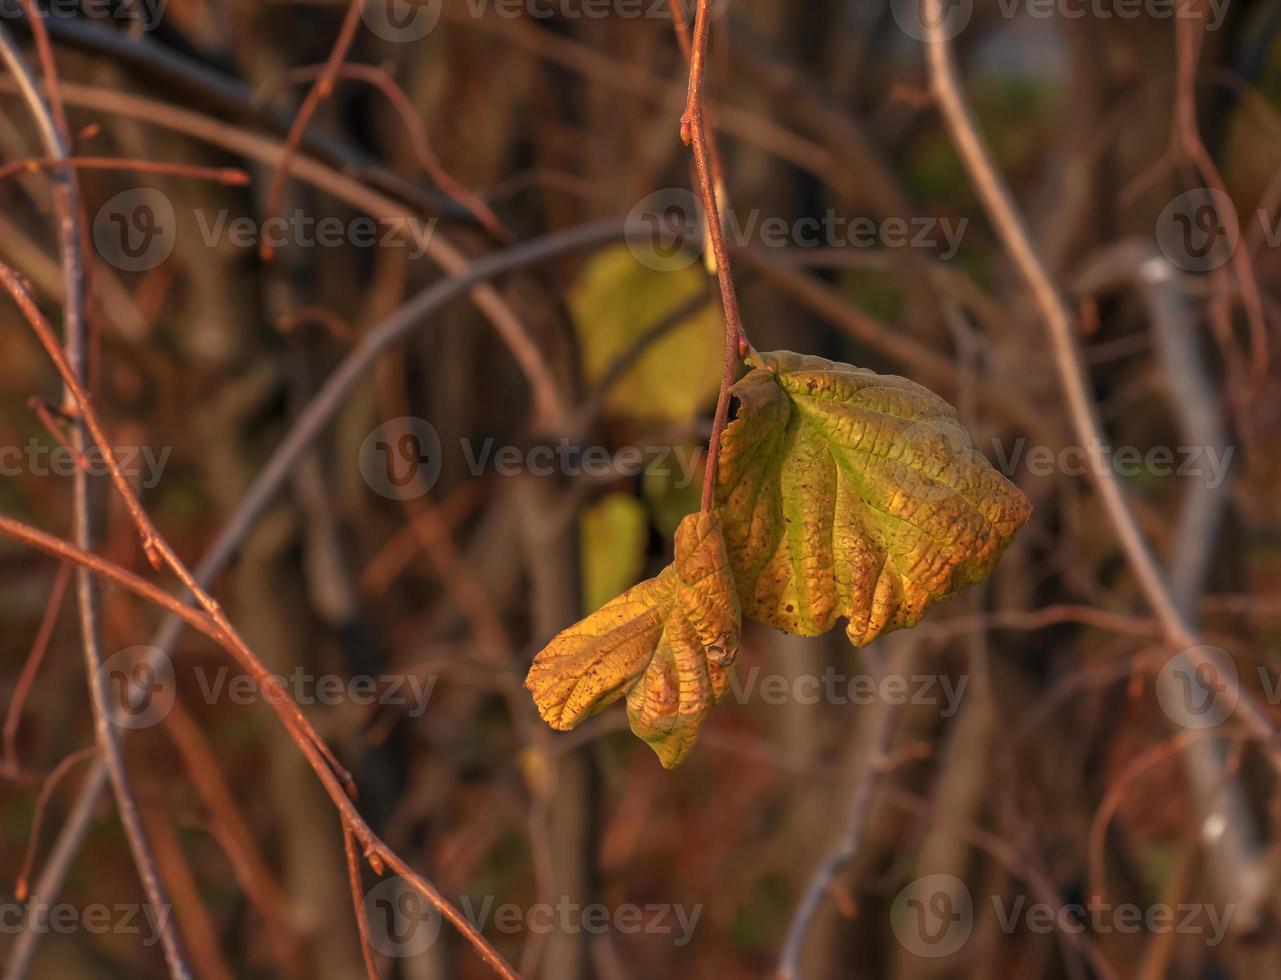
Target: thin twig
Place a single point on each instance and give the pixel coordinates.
(416, 130)
(1189, 35)
(549, 412)
(870, 763)
(1084, 414)
(695, 135)
(306, 429)
(357, 900)
(73, 368)
(231, 176)
(32, 666)
(1044, 889)
(375, 849)
(318, 92)
(20, 887)
(153, 543)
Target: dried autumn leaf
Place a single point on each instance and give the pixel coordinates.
(669, 644)
(844, 493)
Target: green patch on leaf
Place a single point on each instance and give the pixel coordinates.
(848, 494)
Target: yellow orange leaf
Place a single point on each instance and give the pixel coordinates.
(668, 644)
(848, 494)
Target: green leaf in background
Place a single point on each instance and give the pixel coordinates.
(613, 533)
(615, 301)
(672, 493)
(845, 493)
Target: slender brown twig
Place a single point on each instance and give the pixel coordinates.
(1071, 370)
(32, 666)
(20, 886)
(1189, 35)
(416, 130)
(358, 900)
(549, 412)
(327, 402)
(377, 852)
(318, 92)
(73, 366)
(870, 763)
(695, 135)
(231, 176)
(153, 543)
(276, 472)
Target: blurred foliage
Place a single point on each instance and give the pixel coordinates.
(615, 301)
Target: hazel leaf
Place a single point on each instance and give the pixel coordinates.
(848, 494)
(668, 645)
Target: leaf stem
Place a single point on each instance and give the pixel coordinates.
(695, 136)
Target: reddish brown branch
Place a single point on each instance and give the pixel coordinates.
(32, 666)
(230, 176)
(695, 134)
(320, 91)
(358, 900)
(377, 851)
